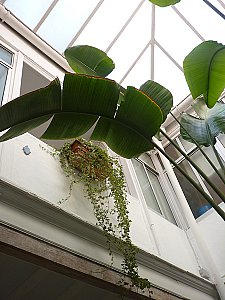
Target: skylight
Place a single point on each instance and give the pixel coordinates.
(145, 42)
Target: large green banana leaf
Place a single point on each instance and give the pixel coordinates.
(206, 128)
(30, 110)
(86, 101)
(164, 2)
(160, 96)
(204, 69)
(89, 60)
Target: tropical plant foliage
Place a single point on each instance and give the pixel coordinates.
(105, 187)
(163, 3)
(204, 69)
(206, 126)
(126, 125)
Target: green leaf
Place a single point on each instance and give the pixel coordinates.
(160, 95)
(88, 100)
(23, 127)
(89, 60)
(84, 99)
(197, 127)
(163, 3)
(137, 121)
(204, 69)
(23, 113)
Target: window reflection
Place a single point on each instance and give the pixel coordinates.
(151, 188)
(3, 76)
(196, 201)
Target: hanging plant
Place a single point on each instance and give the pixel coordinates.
(104, 185)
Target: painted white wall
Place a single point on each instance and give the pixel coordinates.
(212, 230)
(40, 174)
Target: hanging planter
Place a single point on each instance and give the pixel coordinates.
(89, 159)
(104, 186)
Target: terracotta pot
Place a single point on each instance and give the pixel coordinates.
(82, 151)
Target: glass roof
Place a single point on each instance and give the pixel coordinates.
(145, 41)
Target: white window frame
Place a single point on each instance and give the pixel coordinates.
(13, 80)
(164, 184)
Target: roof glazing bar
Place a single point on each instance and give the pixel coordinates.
(221, 3)
(215, 9)
(85, 23)
(169, 56)
(188, 23)
(45, 15)
(125, 26)
(135, 62)
(153, 44)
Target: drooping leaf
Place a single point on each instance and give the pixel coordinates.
(159, 95)
(29, 111)
(204, 69)
(86, 100)
(163, 3)
(89, 60)
(200, 108)
(199, 129)
(136, 122)
(23, 127)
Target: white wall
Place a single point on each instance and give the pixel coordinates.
(40, 174)
(212, 229)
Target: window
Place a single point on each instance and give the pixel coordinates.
(152, 187)
(196, 201)
(6, 60)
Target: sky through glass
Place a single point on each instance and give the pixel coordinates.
(145, 42)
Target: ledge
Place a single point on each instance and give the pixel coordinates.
(43, 210)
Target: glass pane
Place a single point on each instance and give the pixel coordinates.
(170, 41)
(28, 11)
(64, 21)
(131, 42)
(106, 23)
(5, 55)
(199, 17)
(187, 145)
(141, 72)
(168, 75)
(172, 151)
(145, 186)
(221, 138)
(211, 174)
(161, 197)
(3, 76)
(196, 201)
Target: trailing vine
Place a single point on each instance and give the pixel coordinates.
(104, 186)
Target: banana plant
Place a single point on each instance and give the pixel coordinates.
(206, 126)
(90, 100)
(204, 69)
(126, 121)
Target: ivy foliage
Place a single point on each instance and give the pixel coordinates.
(105, 187)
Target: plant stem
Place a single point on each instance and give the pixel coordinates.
(191, 180)
(214, 149)
(200, 149)
(214, 187)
